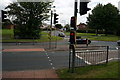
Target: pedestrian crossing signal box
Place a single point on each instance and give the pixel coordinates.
(72, 37)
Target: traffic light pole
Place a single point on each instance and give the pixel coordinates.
(75, 10)
(55, 21)
(50, 30)
(83, 10)
(73, 45)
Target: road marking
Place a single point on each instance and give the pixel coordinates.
(53, 67)
(117, 48)
(17, 50)
(49, 60)
(89, 51)
(83, 59)
(51, 63)
(108, 60)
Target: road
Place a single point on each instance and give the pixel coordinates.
(20, 61)
(37, 60)
(112, 45)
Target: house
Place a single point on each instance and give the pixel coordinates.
(82, 26)
(10, 26)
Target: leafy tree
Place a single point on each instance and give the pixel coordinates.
(103, 17)
(59, 26)
(118, 26)
(27, 18)
(94, 19)
(67, 26)
(110, 18)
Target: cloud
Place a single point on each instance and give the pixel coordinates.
(4, 3)
(65, 8)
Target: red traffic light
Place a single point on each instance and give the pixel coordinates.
(73, 22)
(72, 37)
(71, 34)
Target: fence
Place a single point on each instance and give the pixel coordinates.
(91, 55)
(44, 42)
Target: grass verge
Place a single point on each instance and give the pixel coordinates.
(100, 37)
(110, 70)
(7, 36)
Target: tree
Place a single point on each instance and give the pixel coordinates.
(110, 18)
(94, 19)
(27, 18)
(59, 26)
(103, 17)
(67, 26)
(118, 26)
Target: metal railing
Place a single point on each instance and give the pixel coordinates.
(90, 55)
(31, 42)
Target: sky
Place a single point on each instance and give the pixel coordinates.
(65, 9)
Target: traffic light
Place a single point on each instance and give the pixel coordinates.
(83, 6)
(55, 18)
(4, 16)
(73, 22)
(72, 37)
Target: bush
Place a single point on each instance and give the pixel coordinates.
(22, 32)
(86, 31)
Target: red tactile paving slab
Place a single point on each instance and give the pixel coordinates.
(30, 74)
(16, 50)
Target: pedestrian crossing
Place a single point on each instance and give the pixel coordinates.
(19, 50)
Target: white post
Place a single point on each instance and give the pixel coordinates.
(119, 6)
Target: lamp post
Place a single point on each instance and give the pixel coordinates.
(50, 37)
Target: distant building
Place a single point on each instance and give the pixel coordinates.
(10, 26)
(7, 25)
(82, 26)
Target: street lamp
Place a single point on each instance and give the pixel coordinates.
(51, 26)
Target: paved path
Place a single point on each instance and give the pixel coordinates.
(17, 50)
(30, 74)
(38, 74)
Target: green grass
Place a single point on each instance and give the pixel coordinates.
(7, 33)
(100, 37)
(7, 36)
(109, 70)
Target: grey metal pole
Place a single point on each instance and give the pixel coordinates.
(73, 58)
(75, 8)
(73, 46)
(69, 59)
(107, 54)
(50, 29)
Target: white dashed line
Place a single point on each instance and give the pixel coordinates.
(51, 63)
(53, 67)
(117, 48)
(50, 60)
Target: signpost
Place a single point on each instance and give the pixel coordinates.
(83, 10)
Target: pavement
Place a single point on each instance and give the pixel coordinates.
(44, 74)
(29, 74)
(36, 74)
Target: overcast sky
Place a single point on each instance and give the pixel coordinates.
(65, 8)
